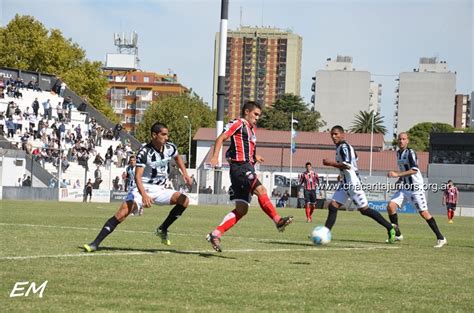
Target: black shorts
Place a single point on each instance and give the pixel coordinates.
(309, 196)
(451, 206)
(244, 181)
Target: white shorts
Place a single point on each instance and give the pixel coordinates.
(158, 193)
(357, 196)
(416, 197)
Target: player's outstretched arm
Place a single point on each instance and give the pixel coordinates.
(217, 148)
(341, 166)
(184, 172)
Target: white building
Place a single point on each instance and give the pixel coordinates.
(340, 92)
(425, 95)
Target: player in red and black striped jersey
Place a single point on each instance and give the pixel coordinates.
(450, 199)
(242, 158)
(310, 182)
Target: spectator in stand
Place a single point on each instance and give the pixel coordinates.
(11, 128)
(98, 141)
(62, 88)
(88, 191)
(64, 164)
(108, 157)
(59, 111)
(57, 86)
(115, 183)
(47, 109)
(97, 173)
(27, 182)
(18, 121)
(117, 130)
(35, 106)
(99, 161)
(36, 87)
(24, 140)
(30, 85)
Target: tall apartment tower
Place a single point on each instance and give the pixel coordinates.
(262, 64)
(425, 95)
(340, 92)
(462, 111)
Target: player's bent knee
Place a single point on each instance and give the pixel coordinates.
(333, 206)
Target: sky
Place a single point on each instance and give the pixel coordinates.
(384, 37)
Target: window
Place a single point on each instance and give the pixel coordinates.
(134, 78)
(146, 79)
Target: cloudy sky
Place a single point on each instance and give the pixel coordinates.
(384, 37)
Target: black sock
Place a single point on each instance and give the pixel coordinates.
(376, 216)
(394, 220)
(175, 212)
(331, 219)
(434, 228)
(108, 228)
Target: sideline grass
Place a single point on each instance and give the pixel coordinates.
(259, 270)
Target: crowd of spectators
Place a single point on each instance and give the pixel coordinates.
(53, 138)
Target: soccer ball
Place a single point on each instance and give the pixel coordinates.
(321, 235)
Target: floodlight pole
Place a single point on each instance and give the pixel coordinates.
(371, 142)
(221, 89)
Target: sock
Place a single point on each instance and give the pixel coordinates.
(332, 214)
(106, 230)
(227, 223)
(450, 214)
(394, 220)
(376, 216)
(308, 210)
(267, 207)
(175, 212)
(434, 228)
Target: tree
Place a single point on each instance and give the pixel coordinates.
(419, 134)
(26, 44)
(278, 117)
(363, 123)
(171, 110)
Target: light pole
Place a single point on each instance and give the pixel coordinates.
(371, 141)
(189, 141)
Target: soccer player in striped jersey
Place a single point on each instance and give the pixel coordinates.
(350, 185)
(151, 174)
(411, 189)
(450, 199)
(310, 181)
(242, 158)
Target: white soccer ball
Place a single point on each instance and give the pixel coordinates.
(321, 235)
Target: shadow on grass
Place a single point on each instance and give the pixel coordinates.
(289, 243)
(197, 253)
(360, 241)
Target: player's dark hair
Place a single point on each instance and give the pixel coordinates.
(338, 127)
(250, 105)
(308, 163)
(132, 157)
(157, 127)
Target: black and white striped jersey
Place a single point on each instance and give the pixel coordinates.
(156, 162)
(407, 160)
(130, 176)
(345, 154)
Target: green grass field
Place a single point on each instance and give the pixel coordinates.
(259, 270)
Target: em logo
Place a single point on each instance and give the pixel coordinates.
(17, 290)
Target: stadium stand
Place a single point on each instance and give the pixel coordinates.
(33, 119)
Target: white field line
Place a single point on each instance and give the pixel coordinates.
(76, 255)
(178, 251)
(178, 234)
